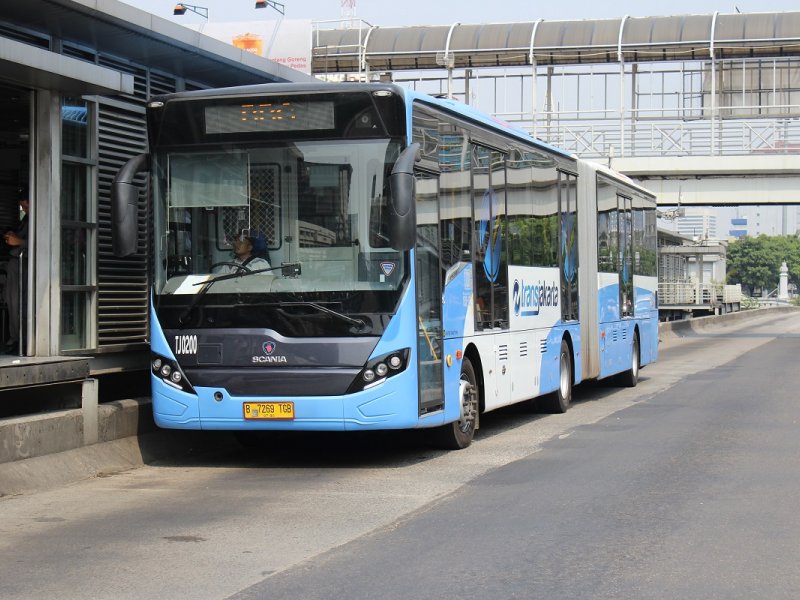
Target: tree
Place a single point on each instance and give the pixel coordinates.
(756, 262)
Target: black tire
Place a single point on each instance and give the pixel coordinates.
(230, 264)
(558, 402)
(459, 434)
(630, 377)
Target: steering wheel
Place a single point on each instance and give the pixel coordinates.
(230, 264)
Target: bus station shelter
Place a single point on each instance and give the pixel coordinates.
(75, 76)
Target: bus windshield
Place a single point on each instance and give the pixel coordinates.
(277, 222)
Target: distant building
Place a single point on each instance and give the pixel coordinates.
(738, 228)
(698, 223)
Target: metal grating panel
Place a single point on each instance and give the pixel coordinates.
(122, 307)
(162, 84)
(264, 215)
(140, 88)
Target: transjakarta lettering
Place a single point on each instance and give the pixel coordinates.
(528, 298)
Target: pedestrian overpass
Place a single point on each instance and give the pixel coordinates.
(701, 109)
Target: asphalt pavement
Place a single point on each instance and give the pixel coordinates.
(683, 487)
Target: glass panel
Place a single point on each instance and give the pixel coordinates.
(75, 127)
(650, 259)
(626, 256)
(499, 258)
(607, 228)
(455, 210)
(261, 219)
(483, 199)
(200, 180)
(429, 293)
(520, 202)
(74, 192)
(308, 219)
(329, 195)
(638, 237)
(569, 247)
(73, 320)
(544, 222)
(74, 256)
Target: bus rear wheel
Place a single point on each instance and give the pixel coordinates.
(558, 402)
(630, 377)
(459, 434)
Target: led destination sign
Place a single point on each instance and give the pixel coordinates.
(265, 116)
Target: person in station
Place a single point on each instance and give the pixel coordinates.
(17, 274)
(245, 256)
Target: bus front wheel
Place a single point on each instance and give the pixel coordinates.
(459, 434)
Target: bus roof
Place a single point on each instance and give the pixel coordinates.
(458, 108)
(611, 173)
(468, 112)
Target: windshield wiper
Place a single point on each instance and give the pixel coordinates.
(209, 282)
(328, 311)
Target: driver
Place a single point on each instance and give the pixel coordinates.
(243, 257)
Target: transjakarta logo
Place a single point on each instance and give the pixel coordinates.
(529, 298)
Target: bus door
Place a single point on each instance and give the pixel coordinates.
(429, 293)
(568, 244)
(490, 258)
(625, 256)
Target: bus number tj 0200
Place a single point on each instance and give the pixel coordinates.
(185, 344)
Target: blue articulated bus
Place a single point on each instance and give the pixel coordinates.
(349, 257)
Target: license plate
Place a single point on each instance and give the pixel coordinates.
(269, 410)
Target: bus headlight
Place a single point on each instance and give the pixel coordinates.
(380, 368)
(169, 372)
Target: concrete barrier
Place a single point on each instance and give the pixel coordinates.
(689, 327)
(30, 436)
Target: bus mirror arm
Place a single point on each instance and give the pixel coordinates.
(124, 205)
(403, 209)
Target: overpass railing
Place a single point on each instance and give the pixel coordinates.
(645, 136)
(683, 293)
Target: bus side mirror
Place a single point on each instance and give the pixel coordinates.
(124, 204)
(403, 202)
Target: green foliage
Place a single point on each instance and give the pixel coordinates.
(748, 303)
(756, 262)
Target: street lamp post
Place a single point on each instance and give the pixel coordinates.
(278, 6)
(182, 7)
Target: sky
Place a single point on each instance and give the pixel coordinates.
(387, 13)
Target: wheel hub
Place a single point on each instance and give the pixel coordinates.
(468, 395)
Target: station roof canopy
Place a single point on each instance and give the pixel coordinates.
(118, 29)
(635, 39)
